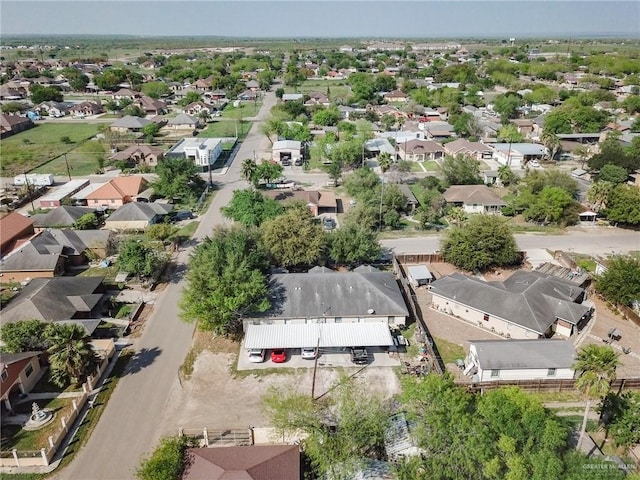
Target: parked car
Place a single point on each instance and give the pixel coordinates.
(256, 355)
(308, 353)
(359, 355)
(286, 162)
(183, 215)
(298, 162)
(534, 163)
(328, 223)
(279, 355)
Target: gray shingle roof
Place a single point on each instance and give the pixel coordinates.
(524, 354)
(336, 294)
(472, 194)
(49, 299)
(530, 299)
(131, 122)
(64, 215)
(139, 211)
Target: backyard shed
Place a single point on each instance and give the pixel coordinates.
(419, 275)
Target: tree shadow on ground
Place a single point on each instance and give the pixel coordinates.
(141, 359)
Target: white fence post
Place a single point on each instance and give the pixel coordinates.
(51, 441)
(64, 423)
(75, 405)
(206, 437)
(85, 388)
(15, 456)
(44, 456)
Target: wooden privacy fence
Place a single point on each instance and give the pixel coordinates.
(407, 258)
(549, 385)
(437, 364)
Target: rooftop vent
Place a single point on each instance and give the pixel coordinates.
(371, 311)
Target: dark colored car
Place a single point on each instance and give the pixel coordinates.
(359, 355)
(286, 162)
(328, 223)
(298, 162)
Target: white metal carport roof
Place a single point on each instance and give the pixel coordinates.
(298, 335)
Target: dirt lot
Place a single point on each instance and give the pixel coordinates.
(216, 398)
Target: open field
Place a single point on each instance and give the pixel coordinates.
(337, 88)
(226, 128)
(25, 151)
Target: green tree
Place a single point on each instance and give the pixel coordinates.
(226, 281)
(41, 94)
(268, 171)
(483, 242)
(551, 205)
(596, 369)
(251, 208)
(507, 176)
(248, 171)
(71, 355)
(506, 105)
(624, 424)
(13, 107)
(334, 169)
(613, 174)
(190, 97)
(24, 336)
(385, 161)
(138, 259)
(167, 462)
(178, 178)
(88, 221)
(620, 284)
(623, 205)
(151, 130)
(598, 194)
(509, 133)
(327, 117)
(461, 170)
(354, 244)
(551, 142)
(155, 89)
(557, 121)
(536, 180)
(343, 429)
(294, 238)
(161, 231)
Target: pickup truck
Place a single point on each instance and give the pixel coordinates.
(359, 355)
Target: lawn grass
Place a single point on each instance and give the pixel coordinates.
(44, 385)
(188, 230)
(26, 150)
(82, 160)
(449, 352)
(108, 272)
(225, 128)
(432, 166)
(337, 88)
(14, 436)
(247, 108)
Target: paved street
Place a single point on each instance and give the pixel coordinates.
(588, 240)
(132, 422)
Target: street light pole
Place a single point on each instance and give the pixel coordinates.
(66, 162)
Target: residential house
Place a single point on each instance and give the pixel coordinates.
(49, 252)
(396, 96)
(292, 97)
(196, 108)
(129, 124)
(524, 125)
(255, 462)
(116, 192)
(330, 309)
(286, 149)
(137, 216)
(61, 217)
(86, 109)
(253, 85)
(19, 372)
(517, 155)
(11, 91)
(382, 110)
(417, 150)
(53, 109)
(317, 98)
(140, 155)
(14, 230)
(525, 305)
(318, 202)
(477, 150)
(248, 95)
(182, 121)
(474, 199)
(151, 106)
(217, 95)
(203, 84)
(437, 130)
(203, 151)
(60, 299)
(56, 197)
(12, 124)
(376, 146)
(125, 93)
(494, 360)
(412, 201)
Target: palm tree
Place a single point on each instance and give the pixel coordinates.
(204, 115)
(385, 161)
(551, 142)
(598, 194)
(457, 216)
(596, 368)
(71, 356)
(248, 170)
(582, 153)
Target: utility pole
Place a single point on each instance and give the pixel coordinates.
(66, 162)
(315, 369)
(29, 192)
(381, 197)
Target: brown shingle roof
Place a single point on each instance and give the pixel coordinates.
(118, 188)
(264, 462)
(472, 194)
(11, 226)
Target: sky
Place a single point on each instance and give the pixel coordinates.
(324, 18)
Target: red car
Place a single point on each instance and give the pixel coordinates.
(279, 355)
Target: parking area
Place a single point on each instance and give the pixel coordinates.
(330, 357)
(217, 398)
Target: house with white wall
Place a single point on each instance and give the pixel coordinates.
(525, 305)
(203, 151)
(493, 360)
(517, 155)
(329, 308)
(474, 199)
